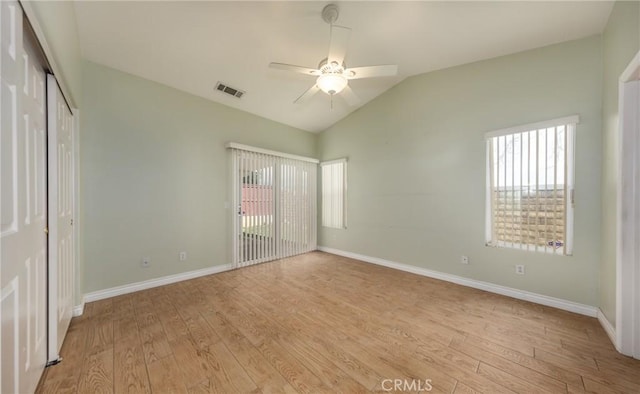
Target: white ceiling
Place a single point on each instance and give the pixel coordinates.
(192, 45)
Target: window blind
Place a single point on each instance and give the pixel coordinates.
(530, 186)
(334, 188)
(274, 200)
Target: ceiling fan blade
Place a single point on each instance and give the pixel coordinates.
(338, 44)
(307, 95)
(349, 96)
(371, 71)
(297, 69)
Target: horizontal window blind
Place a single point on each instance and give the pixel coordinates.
(530, 185)
(334, 187)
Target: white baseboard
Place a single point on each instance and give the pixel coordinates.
(486, 286)
(148, 284)
(78, 310)
(608, 328)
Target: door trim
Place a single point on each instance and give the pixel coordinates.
(628, 213)
(235, 145)
(56, 69)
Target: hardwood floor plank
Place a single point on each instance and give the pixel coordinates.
(100, 336)
(621, 371)
(214, 363)
(331, 376)
(608, 378)
(318, 323)
(610, 355)
(543, 382)
(298, 376)
(512, 382)
(229, 374)
(256, 366)
(201, 333)
(155, 344)
(599, 388)
(462, 388)
(568, 377)
(164, 377)
(130, 372)
(97, 373)
(102, 309)
(125, 327)
(64, 377)
(172, 323)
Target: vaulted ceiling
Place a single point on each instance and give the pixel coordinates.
(192, 45)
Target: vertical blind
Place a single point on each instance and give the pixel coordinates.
(274, 200)
(334, 187)
(530, 186)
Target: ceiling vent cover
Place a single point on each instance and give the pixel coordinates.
(229, 90)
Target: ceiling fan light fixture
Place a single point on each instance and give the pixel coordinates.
(332, 83)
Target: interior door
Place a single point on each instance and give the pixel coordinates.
(61, 240)
(23, 204)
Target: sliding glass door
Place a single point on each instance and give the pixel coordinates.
(274, 200)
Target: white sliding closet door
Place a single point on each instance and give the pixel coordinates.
(274, 201)
(23, 202)
(61, 240)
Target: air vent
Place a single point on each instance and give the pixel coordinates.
(229, 90)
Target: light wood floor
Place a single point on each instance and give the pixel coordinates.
(323, 323)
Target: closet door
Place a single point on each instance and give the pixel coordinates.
(61, 241)
(23, 208)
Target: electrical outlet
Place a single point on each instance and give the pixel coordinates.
(145, 263)
(183, 256)
(520, 269)
(464, 260)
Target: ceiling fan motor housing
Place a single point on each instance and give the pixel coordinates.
(331, 68)
(330, 13)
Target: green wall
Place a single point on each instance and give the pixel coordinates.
(417, 167)
(155, 177)
(416, 181)
(620, 44)
(58, 22)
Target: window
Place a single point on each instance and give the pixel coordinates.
(530, 186)
(334, 193)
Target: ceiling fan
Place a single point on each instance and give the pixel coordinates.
(332, 73)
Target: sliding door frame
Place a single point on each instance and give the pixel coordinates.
(279, 180)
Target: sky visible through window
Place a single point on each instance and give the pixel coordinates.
(530, 160)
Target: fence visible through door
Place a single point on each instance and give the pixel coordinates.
(274, 203)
